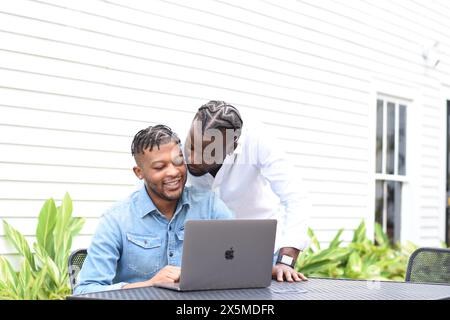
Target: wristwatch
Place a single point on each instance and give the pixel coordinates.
(287, 260)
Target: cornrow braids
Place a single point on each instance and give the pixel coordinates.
(151, 136)
(217, 115)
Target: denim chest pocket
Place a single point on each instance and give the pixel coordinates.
(144, 253)
(180, 234)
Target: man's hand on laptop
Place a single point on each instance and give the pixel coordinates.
(282, 272)
(166, 274)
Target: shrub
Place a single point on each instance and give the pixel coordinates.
(43, 273)
(361, 259)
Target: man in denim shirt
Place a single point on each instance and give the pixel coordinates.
(139, 241)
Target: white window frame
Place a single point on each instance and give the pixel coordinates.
(397, 102)
(383, 176)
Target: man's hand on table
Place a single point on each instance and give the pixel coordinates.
(282, 272)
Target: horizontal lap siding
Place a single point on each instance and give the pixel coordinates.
(431, 22)
(79, 78)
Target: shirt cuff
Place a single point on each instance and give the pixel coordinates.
(116, 286)
(91, 288)
(301, 245)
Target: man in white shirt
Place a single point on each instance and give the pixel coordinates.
(249, 171)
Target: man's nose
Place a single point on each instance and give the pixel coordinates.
(172, 170)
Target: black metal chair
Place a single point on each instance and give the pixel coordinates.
(76, 260)
(429, 265)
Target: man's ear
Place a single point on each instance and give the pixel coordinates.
(138, 172)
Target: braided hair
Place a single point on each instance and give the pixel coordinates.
(218, 115)
(152, 136)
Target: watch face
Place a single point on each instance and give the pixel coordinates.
(286, 260)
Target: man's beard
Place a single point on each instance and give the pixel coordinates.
(165, 196)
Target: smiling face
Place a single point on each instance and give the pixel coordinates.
(164, 172)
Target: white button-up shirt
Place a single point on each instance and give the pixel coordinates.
(257, 181)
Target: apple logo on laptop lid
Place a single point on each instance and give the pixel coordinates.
(229, 254)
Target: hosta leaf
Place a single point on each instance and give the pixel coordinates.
(381, 237)
(48, 263)
(7, 273)
(314, 267)
(46, 225)
(360, 233)
(38, 284)
(75, 225)
(314, 240)
(354, 264)
(62, 227)
(19, 242)
(336, 242)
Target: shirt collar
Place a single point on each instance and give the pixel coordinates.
(146, 206)
(185, 199)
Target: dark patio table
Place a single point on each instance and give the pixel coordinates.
(314, 289)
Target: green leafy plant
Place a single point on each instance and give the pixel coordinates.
(360, 259)
(43, 272)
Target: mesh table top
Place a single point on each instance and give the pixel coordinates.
(314, 289)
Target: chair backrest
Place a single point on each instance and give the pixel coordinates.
(429, 265)
(76, 260)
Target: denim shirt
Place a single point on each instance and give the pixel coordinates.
(133, 240)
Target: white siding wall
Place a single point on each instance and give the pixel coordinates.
(79, 78)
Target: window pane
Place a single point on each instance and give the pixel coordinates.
(379, 146)
(393, 210)
(390, 154)
(402, 140)
(379, 202)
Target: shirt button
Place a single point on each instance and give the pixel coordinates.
(171, 254)
(170, 228)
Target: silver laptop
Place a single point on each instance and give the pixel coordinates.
(226, 254)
